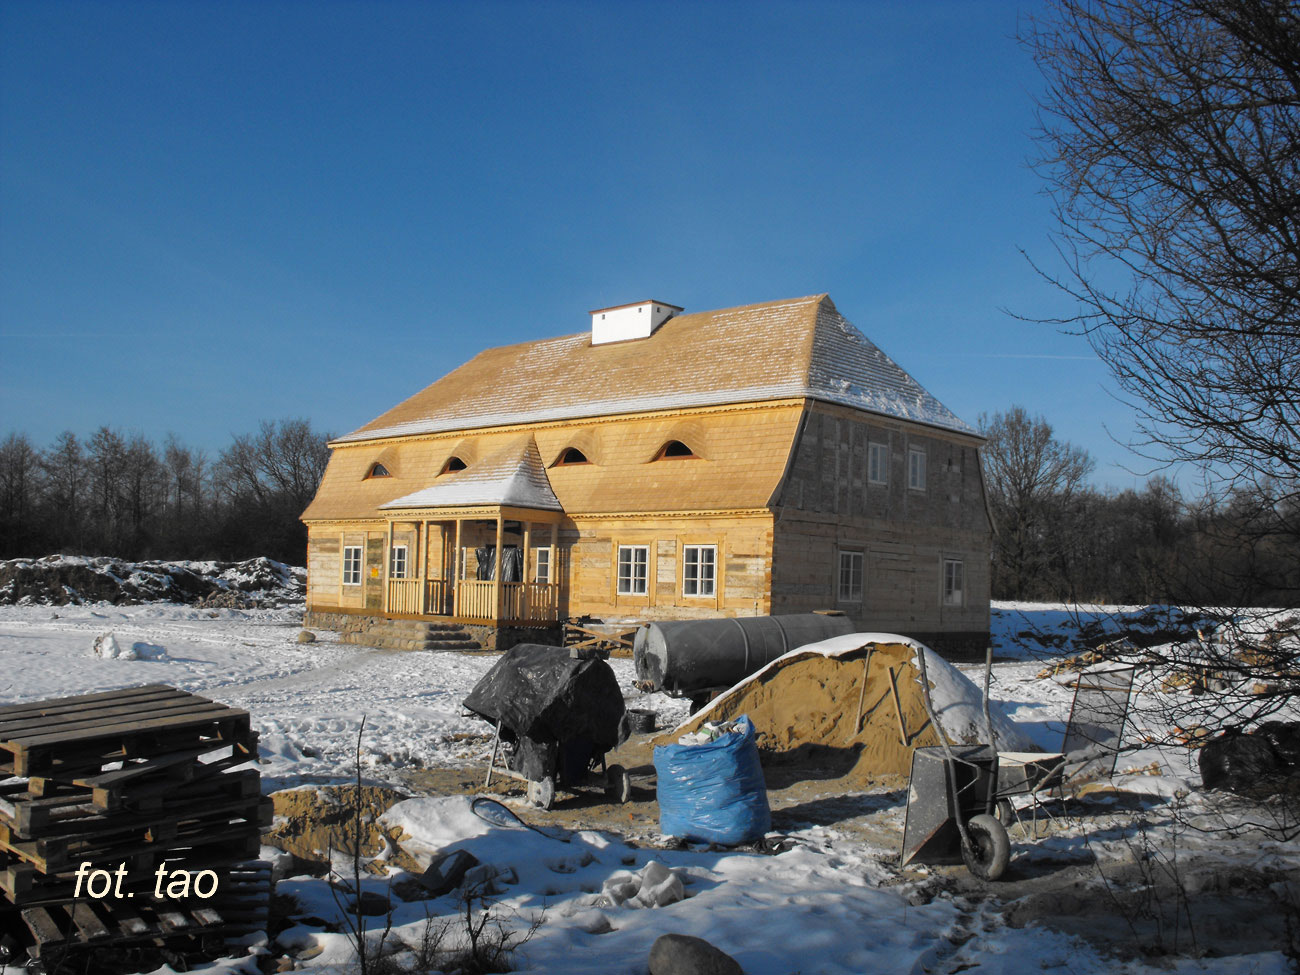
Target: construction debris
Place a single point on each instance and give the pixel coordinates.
(126, 821)
(1105, 653)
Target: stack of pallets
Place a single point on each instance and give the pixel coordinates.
(111, 801)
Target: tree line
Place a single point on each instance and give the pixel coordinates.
(126, 496)
(1060, 539)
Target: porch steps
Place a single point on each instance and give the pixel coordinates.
(413, 635)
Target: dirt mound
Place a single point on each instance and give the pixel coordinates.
(856, 708)
(313, 823)
(62, 579)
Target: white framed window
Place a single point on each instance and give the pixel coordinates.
(916, 468)
(877, 463)
(633, 561)
(850, 588)
(397, 562)
(954, 582)
(699, 570)
(543, 565)
(352, 565)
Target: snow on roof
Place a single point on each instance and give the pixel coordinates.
(794, 349)
(513, 475)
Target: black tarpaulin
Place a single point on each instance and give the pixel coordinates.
(543, 693)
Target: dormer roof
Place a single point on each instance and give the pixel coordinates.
(513, 476)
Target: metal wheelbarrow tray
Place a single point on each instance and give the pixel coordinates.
(558, 714)
(951, 790)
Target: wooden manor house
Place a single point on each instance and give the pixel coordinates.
(758, 460)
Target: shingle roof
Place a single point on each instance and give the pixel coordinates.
(513, 475)
(796, 348)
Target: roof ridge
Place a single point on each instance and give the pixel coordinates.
(774, 303)
(782, 349)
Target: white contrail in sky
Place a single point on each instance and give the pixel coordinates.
(1022, 355)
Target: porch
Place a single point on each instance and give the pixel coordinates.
(480, 566)
(473, 600)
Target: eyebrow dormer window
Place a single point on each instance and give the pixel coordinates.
(674, 449)
(571, 456)
(378, 470)
(453, 464)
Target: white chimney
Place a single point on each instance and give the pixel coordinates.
(624, 322)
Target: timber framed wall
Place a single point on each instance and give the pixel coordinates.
(741, 543)
(831, 508)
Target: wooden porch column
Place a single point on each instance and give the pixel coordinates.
(523, 604)
(553, 574)
(422, 564)
(496, 571)
(455, 574)
(388, 558)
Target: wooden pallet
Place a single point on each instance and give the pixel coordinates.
(134, 780)
(71, 737)
(69, 929)
(582, 637)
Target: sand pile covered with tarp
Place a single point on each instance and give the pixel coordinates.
(854, 703)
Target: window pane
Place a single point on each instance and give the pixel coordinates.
(877, 463)
(352, 565)
(698, 570)
(632, 561)
(953, 583)
(850, 588)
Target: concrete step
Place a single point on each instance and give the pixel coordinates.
(452, 644)
(414, 635)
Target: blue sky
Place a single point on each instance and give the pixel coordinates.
(217, 213)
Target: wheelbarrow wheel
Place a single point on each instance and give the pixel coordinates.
(542, 794)
(1006, 812)
(990, 849)
(618, 784)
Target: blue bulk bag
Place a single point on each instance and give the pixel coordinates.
(714, 792)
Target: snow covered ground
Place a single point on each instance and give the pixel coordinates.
(834, 903)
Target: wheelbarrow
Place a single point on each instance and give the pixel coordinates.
(951, 800)
(557, 713)
(548, 766)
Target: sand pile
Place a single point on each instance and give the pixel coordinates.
(854, 703)
(315, 823)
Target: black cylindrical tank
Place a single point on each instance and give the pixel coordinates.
(686, 657)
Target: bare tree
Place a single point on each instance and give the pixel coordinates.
(20, 477)
(106, 454)
(1170, 137)
(1033, 480)
(1170, 147)
(66, 481)
(285, 459)
(267, 480)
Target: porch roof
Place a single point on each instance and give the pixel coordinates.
(514, 476)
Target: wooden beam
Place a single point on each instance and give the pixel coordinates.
(422, 563)
(455, 574)
(523, 602)
(388, 558)
(496, 573)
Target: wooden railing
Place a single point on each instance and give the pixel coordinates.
(531, 601)
(438, 598)
(475, 600)
(404, 596)
(519, 600)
